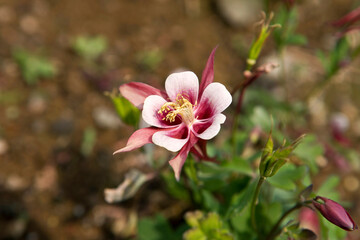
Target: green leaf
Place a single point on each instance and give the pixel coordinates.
(127, 112)
(193, 218)
(260, 117)
(33, 67)
(88, 142)
(210, 201)
(150, 59)
(328, 188)
(287, 176)
(240, 201)
(175, 188)
(238, 165)
(89, 48)
(296, 39)
(156, 228)
(206, 227)
(309, 150)
(195, 234)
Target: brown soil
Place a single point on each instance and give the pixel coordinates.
(48, 189)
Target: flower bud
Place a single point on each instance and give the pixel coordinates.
(334, 213)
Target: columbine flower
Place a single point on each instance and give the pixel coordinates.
(335, 213)
(182, 116)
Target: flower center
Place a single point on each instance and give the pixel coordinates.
(181, 107)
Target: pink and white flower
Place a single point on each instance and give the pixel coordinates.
(182, 116)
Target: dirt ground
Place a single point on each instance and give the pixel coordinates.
(48, 188)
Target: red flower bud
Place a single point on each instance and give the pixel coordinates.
(334, 213)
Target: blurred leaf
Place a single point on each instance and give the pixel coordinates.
(150, 59)
(296, 39)
(127, 112)
(238, 165)
(88, 142)
(210, 202)
(240, 201)
(206, 227)
(261, 118)
(328, 188)
(128, 188)
(288, 19)
(156, 228)
(89, 47)
(305, 193)
(306, 234)
(175, 188)
(193, 218)
(195, 234)
(309, 150)
(287, 176)
(33, 67)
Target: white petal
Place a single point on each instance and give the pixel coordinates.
(215, 99)
(184, 83)
(208, 128)
(150, 113)
(172, 140)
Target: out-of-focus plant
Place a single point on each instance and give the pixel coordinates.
(33, 67)
(88, 47)
(343, 52)
(208, 226)
(88, 142)
(287, 17)
(150, 59)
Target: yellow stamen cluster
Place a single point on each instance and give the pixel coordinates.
(181, 107)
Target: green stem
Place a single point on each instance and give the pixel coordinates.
(275, 231)
(254, 200)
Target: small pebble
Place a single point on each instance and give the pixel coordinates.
(29, 24)
(351, 183)
(63, 126)
(12, 112)
(32, 236)
(239, 12)
(39, 126)
(4, 146)
(106, 118)
(15, 183)
(6, 14)
(340, 121)
(36, 104)
(79, 210)
(321, 161)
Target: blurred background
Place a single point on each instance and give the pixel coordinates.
(58, 129)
